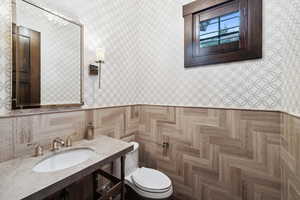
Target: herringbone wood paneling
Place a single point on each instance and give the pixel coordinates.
(20, 135)
(290, 158)
(119, 122)
(214, 154)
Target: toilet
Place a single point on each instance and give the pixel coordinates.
(144, 183)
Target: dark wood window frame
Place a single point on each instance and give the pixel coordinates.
(248, 47)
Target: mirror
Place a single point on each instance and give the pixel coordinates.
(47, 58)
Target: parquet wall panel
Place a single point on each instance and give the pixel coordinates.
(214, 154)
(290, 157)
(20, 135)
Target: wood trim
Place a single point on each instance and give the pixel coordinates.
(219, 10)
(188, 39)
(200, 5)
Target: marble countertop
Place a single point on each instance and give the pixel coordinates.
(18, 181)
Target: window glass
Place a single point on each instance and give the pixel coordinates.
(220, 30)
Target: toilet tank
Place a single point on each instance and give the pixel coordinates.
(131, 161)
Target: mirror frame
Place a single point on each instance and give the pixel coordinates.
(81, 26)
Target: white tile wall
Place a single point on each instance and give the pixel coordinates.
(144, 42)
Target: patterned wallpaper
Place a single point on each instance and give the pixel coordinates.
(111, 25)
(163, 79)
(144, 43)
(291, 69)
(5, 55)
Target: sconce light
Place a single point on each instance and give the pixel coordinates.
(100, 54)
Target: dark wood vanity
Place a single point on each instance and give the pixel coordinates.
(89, 188)
(80, 190)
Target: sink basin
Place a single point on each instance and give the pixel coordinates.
(64, 160)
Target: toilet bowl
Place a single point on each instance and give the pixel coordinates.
(146, 183)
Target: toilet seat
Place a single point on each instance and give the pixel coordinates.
(151, 180)
(140, 182)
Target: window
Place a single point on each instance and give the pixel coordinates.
(222, 31)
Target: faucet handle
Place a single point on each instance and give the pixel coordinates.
(57, 143)
(39, 151)
(55, 146)
(69, 141)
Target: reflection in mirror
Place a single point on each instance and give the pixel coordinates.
(47, 58)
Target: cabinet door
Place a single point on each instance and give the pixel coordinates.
(81, 190)
(57, 196)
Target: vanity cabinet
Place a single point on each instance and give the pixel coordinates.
(80, 190)
(91, 188)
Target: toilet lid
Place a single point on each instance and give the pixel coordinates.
(151, 180)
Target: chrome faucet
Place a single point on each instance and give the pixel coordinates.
(57, 143)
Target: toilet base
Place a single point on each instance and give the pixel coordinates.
(132, 195)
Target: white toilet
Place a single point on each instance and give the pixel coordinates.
(146, 183)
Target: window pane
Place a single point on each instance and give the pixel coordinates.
(206, 28)
(209, 42)
(204, 24)
(230, 38)
(231, 30)
(229, 23)
(231, 15)
(210, 35)
(220, 30)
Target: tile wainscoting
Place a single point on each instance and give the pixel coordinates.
(20, 135)
(290, 157)
(214, 154)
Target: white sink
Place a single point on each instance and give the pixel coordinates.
(64, 160)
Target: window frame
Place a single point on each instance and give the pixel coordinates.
(248, 47)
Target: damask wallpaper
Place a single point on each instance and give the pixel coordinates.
(144, 44)
(253, 84)
(291, 61)
(5, 55)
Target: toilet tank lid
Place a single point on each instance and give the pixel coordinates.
(135, 146)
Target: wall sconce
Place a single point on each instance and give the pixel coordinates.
(94, 70)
